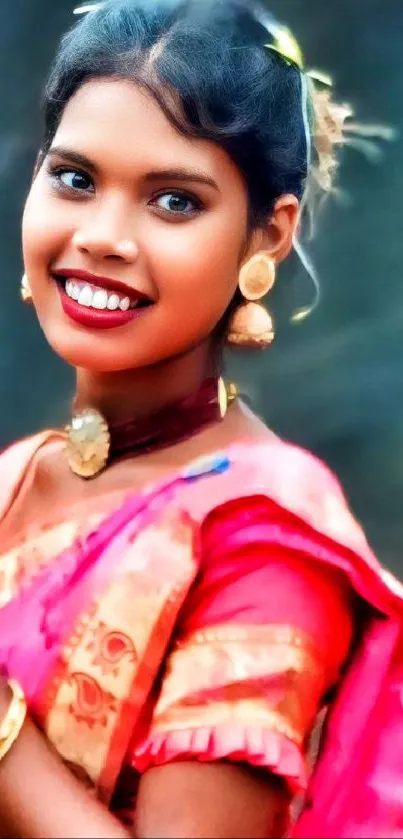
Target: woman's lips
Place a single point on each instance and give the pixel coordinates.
(96, 318)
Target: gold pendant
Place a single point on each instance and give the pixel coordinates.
(88, 443)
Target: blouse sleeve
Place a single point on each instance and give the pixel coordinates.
(261, 640)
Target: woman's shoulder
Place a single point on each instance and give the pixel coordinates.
(15, 461)
(291, 475)
(305, 485)
(270, 465)
(279, 462)
(291, 478)
(303, 504)
(26, 444)
(20, 453)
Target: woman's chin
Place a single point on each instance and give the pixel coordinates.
(80, 349)
(116, 350)
(96, 351)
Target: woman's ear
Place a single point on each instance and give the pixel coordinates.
(282, 227)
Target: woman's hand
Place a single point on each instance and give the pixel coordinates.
(39, 797)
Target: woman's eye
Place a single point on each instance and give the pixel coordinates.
(177, 203)
(74, 181)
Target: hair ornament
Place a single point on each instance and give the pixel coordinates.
(286, 45)
(89, 7)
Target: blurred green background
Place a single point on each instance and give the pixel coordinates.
(333, 383)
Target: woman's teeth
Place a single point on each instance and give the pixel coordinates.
(97, 298)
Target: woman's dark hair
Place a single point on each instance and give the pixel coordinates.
(206, 64)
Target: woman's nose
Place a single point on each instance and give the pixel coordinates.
(102, 242)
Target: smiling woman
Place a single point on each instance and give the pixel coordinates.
(127, 212)
(174, 626)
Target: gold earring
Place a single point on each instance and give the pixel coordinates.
(251, 326)
(25, 290)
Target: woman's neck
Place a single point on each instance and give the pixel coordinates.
(138, 393)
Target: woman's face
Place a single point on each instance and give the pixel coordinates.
(144, 226)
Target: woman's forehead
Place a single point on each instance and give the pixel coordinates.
(117, 121)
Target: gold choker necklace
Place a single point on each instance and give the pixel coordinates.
(92, 444)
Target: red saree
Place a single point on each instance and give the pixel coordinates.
(210, 618)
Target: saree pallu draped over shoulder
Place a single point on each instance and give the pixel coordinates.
(145, 635)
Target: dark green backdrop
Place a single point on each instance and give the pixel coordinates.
(334, 383)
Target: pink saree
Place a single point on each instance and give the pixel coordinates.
(212, 618)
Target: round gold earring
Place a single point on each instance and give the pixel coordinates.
(25, 290)
(257, 277)
(251, 326)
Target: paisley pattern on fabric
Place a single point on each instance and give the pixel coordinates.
(106, 668)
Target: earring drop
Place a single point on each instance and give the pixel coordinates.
(25, 290)
(251, 325)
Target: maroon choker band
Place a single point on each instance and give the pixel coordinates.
(92, 444)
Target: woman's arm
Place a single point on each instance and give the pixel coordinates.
(210, 801)
(39, 797)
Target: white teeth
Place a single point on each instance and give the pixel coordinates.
(113, 302)
(72, 290)
(85, 296)
(100, 300)
(124, 304)
(95, 297)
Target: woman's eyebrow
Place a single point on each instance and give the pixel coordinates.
(181, 174)
(73, 156)
(184, 175)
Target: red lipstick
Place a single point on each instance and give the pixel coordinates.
(99, 318)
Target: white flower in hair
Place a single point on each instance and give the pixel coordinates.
(89, 7)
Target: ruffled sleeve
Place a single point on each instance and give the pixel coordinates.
(261, 640)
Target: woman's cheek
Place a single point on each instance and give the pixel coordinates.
(36, 227)
(194, 259)
(44, 235)
(44, 212)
